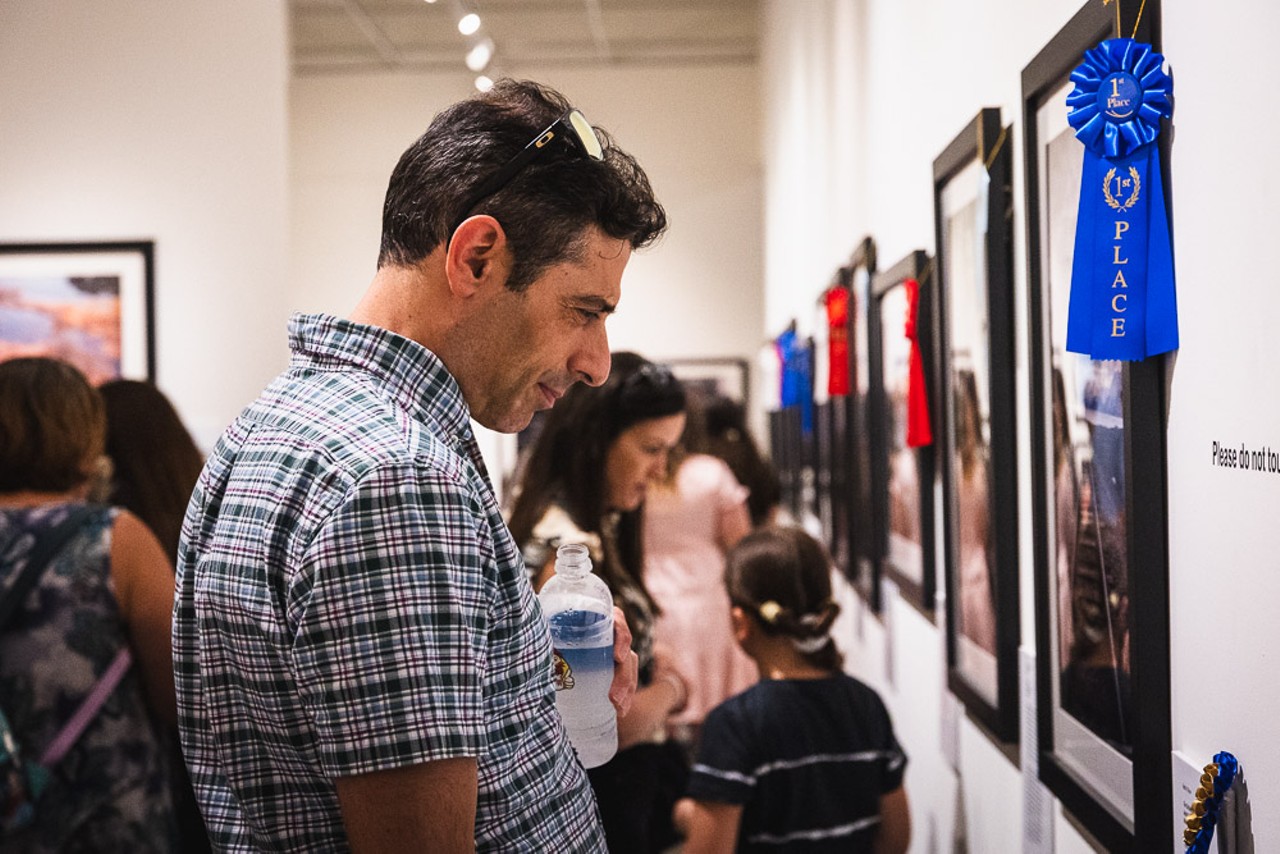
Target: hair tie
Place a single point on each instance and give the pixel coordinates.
(811, 621)
(809, 646)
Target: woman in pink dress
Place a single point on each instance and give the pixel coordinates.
(691, 522)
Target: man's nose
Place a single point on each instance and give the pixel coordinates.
(591, 361)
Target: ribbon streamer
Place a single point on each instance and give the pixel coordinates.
(1123, 303)
(837, 300)
(797, 377)
(919, 430)
(1214, 785)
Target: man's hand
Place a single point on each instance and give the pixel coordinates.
(626, 665)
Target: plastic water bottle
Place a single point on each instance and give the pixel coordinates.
(579, 611)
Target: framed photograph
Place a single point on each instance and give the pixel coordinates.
(787, 440)
(1099, 498)
(806, 508)
(823, 469)
(902, 476)
(975, 430)
(89, 304)
(830, 422)
(862, 565)
(728, 377)
(778, 446)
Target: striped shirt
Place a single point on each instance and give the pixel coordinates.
(807, 759)
(349, 600)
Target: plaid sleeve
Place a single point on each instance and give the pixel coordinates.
(391, 614)
(724, 771)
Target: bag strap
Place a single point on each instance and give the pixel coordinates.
(42, 554)
(88, 710)
(45, 550)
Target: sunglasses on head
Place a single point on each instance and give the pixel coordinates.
(649, 375)
(571, 129)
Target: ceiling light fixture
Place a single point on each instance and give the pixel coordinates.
(469, 24)
(480, 54)
(483, 83)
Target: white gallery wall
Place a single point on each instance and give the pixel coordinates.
(137, 120)
(859, 97)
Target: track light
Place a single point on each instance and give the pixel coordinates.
(469, 24)
(480, 54)
(483, 83)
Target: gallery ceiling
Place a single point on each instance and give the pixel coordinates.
(334, 36)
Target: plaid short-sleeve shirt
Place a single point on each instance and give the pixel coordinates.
(349, 600)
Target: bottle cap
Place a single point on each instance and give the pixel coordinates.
(573, 559)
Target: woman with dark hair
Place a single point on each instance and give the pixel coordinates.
(725, 435)
(156, 462)
(585, 480)
(155, 465)
(807, 757)
(94, 624)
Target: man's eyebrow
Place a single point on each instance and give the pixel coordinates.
(596, 303)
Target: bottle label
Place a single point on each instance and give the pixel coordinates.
(573, 665)
(563, 673)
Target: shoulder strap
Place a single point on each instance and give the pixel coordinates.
(45, 550)
(42, 554)
(88, 709)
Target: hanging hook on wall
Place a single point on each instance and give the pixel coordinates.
(1136, 21)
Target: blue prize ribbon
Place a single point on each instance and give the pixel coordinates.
(1122, 304)
(797, 377)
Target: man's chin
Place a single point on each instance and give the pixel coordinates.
(509, 423)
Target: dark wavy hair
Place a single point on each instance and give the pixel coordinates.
(566, 463)
(723, 433)
(52, 426)
(546, 207)
(781, 577)
(156, 461)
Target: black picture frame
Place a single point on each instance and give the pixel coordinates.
(976, 429)
(727, 376)
(1110, 578)
(89, 303)
(790, 447)
(902, 478)
(824, 466)
(831, 419)
(787, 450)
(863, 549)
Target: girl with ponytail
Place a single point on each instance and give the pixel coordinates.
(807, 755)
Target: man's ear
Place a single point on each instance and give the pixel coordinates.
(477, 255)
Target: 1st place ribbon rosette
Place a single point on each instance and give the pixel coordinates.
(1122, 304)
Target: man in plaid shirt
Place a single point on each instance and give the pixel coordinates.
(360, 661)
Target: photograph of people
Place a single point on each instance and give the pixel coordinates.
(977, 583)
(905, 546)
(1088, 493)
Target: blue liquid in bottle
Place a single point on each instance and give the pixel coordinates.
(579, 612)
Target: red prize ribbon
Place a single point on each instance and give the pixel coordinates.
(919, 432)
(838, 341)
